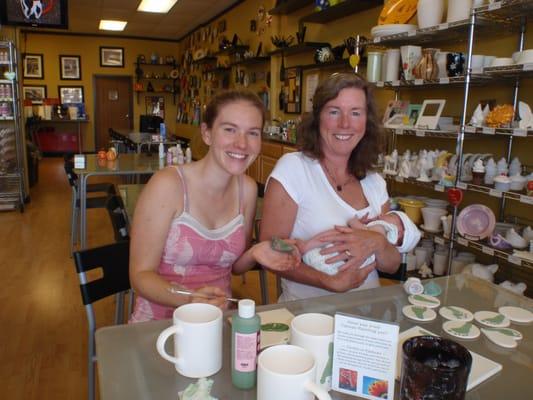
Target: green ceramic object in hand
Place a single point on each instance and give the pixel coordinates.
(280, 245)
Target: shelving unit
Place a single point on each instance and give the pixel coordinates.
(506, 16)
(11, 153)
(167, 66)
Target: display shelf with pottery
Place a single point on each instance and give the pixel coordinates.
(476, 80)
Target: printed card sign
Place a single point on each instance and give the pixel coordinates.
(364, 357)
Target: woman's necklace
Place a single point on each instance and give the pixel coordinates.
(337, 185)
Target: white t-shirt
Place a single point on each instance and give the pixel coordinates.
(320, 208)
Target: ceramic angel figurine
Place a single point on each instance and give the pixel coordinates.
(502, 168)
(413, 166)
(526, 117)
(490, 172)
(477, 118)
(423, 167)
(405, 168)
(515, 168)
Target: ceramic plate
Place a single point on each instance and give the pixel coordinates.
(391, 29)
(476, 222)
(461, 329)
(424, 300)
(517, 314)
(492, 319)
(419, 313)
(454, 313)
(500, 339)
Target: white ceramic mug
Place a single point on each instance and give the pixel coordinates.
(429, 13)
(314, 332)
(392, 65)
(373, 69)
(197, 331)
(458, 10)
(287, 372)
(440, 262)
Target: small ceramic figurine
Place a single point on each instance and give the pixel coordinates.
(391, 163)
(526, 117)
(425, 271)
(515, 168)
(502, 168)
(477, 118)
(490, 172)
(518, 288)
(423, 167)
(405, 168)
(481, 271)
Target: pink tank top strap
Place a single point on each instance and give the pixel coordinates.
(241, 195)
(184, 185)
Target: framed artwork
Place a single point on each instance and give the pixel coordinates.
(429, 115)
(395, 107)
(32, 65)
(37, 14)
(70, 94)
(35, 93)
(293, 90)
(112, 57)
(70, 67)
(412, 112)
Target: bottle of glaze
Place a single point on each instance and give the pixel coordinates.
(245, 339)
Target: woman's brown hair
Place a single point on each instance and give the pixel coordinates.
(231, 96)
(366, 152)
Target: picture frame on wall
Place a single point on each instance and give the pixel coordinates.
(112, 57)
(35, 93)
(32, 66)
(293, 90)
(70, 94)
(69, 67)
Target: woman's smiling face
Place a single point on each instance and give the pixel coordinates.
(235, 137)
(343, 122)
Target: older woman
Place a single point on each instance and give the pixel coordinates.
(327, 183)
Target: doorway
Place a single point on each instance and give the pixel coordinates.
(113, 96)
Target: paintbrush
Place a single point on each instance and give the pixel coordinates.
(198, 294)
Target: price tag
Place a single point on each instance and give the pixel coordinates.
(527, 67)
(377, 40)
(526, 199)
(443, 26)
(444, 81)
(420, 133)
(439, 188)
(462, 241)
(462, 185)
(395, 83)
(411, 33)
(419, 82)
(398, 131)
(489, 131)
(398, 178)
(470, 129)
(487, 250)
(519, 132)
(495, 6)
(495, 193)
(80, 161)
(514, 260)
(438, 240)
(379, 83)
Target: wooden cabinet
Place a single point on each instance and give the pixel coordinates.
(267, 165)
(254, 170)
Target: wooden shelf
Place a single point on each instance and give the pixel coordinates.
(299, 48)
(205, 60)
(253, 60)
(232, 50)
(288, 6)
(341, 10)
(173, 65)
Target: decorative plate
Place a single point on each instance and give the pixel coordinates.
(461, 329)
(517, 314)
(454, 313)
(397, 12)
(419, 313)
(476, 222)
(492, 319)
(424, 300)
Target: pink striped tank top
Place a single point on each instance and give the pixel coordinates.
(195, 256)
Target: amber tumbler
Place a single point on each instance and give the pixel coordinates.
(434, 368)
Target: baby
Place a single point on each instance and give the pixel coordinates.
(390, 225)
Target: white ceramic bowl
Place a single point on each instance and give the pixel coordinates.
(502, 61)
(436, 203)
(432, 216)
(525, 56)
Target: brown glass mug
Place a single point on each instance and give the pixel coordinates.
(434, 368)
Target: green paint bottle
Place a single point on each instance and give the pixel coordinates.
(245, 340)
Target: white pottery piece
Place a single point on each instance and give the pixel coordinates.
(500, 339)
(461, 329)
(419, 313)
(492, 319)
(455, 313)
(517, 314)
(424, 300)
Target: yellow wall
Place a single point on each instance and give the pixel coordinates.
(88, 48)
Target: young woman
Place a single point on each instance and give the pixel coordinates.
(193, 224)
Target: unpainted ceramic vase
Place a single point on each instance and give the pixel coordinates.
(427, 67)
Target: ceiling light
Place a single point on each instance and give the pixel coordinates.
(156, 6)
(111, 25)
